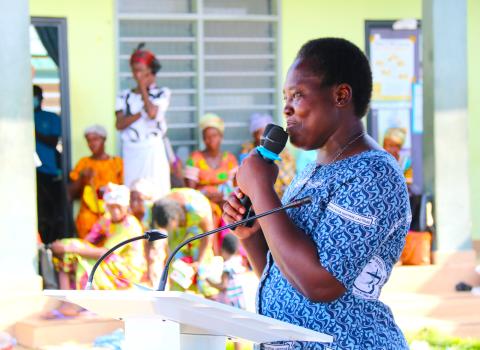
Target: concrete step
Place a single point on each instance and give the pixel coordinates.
(454, 314)
(439, 278)
(20, 297)
(38, 333)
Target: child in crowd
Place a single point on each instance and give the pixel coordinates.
(141, 202)
(231, 291)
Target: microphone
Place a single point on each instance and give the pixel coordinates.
(294, 204)
(150, 236)
(272, 142)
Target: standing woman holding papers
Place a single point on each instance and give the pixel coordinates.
(322, 266)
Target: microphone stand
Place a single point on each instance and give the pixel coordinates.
(163, 279)
(151, 236)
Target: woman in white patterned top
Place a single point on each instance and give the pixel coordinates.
(140, 117)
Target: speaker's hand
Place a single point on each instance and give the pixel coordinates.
(233, 211)
(255, 174)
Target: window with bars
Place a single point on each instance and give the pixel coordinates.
(219, 56)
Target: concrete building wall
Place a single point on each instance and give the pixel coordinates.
(473, 57)
(18, 221)
(18, 224)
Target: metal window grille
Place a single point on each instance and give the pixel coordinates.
(219, 56)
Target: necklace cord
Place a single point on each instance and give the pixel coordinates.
(344, 148)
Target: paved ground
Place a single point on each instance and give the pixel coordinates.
(450, 313)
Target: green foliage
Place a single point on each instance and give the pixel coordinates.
(438, 341)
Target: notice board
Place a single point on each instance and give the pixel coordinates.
(394, 51)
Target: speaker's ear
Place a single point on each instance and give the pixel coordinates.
(343, 95)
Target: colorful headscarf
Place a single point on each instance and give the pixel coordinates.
(259, 121)
(146, 57)
(117, 194)
(397, 135)
(211, 120)
(96, 129)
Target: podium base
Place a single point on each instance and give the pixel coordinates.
(202, 342)
(153, 333)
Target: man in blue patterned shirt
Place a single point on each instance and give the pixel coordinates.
(322, 266)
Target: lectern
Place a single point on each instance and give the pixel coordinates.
(181, 321)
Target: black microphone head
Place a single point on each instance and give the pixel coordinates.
(153, 235)
(265, 133)
(275, 138)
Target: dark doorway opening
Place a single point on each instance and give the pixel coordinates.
(49, 60)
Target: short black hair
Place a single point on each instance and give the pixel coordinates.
(338, 61)
(230, 244)
(38, 92)
(166, 210)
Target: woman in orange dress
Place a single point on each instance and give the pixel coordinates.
(89, 177)
(211, 170)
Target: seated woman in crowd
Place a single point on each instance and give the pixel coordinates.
(184, 213)
(89, 177)
(211, 171)
(286, 168)
(74, 257)
(393, 142)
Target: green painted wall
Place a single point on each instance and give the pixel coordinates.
(347, 19)
(309, 19)
(474, 110)
(91, 60)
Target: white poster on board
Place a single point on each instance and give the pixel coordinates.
(393, 68)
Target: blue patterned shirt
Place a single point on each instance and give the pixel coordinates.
(358, 219)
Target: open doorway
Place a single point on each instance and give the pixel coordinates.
(48, 49)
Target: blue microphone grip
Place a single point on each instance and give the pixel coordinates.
(269, 156)
(273, 141)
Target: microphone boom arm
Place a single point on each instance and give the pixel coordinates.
(163, 278)
(151, 236)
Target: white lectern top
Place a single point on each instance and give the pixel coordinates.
(196, 315)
